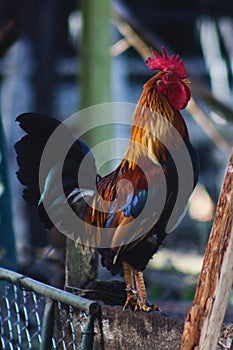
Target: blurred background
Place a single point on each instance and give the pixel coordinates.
(41, 71)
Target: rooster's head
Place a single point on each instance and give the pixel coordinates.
(173, 82)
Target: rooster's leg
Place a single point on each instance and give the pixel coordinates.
(142, 303)
(131, 300)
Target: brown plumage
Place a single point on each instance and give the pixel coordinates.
(114, 217)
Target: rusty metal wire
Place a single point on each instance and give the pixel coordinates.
(31, 320)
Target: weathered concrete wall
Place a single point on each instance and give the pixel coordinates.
(128, 330)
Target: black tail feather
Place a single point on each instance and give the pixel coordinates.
(29, 150)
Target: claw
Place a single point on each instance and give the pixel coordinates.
(146, 307)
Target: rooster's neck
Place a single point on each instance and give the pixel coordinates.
(155, 125)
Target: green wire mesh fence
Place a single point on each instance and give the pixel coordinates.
(36, 316)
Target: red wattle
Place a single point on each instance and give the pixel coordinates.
(178, 95)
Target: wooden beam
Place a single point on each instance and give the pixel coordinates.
(208, 126)
(81, 266)
(204, 320)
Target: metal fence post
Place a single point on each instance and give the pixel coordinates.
(48, 324)
(88, 333)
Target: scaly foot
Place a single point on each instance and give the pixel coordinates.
(131, 301)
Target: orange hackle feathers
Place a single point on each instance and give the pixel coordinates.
(153, 118)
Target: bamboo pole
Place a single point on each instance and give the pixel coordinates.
(95, 56)
(95, 89)
(204, 320)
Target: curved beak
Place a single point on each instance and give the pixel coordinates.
(186, 81)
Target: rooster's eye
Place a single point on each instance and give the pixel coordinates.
(168, 77)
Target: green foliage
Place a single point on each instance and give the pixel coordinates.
(156, 292)
(172, 285)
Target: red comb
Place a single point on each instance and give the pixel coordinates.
(166, 63)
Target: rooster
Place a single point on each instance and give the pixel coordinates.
(127, 213)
